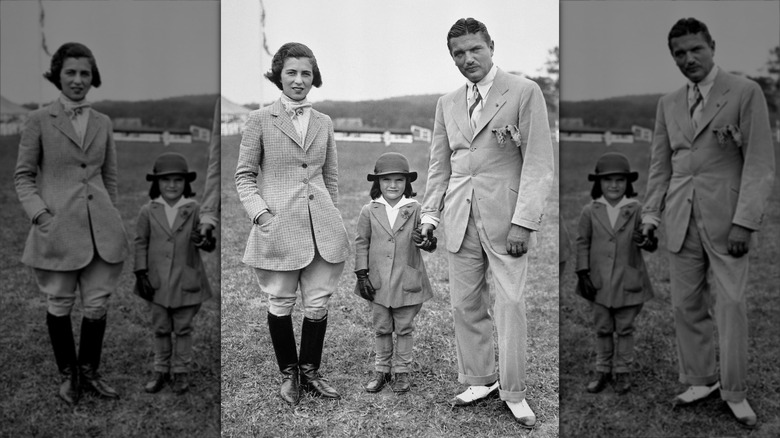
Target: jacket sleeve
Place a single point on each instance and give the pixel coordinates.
(584, 236)
(660, 173)
(109, 170)
(249, 154)
(330, 169)
(439, 166)
(538, 170)
(363, 239)
(27, 168)
(141, 242)
(209, 212)
(758, 171)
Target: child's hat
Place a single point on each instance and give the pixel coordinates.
(171, 163)
(389, 163)
(613, 163)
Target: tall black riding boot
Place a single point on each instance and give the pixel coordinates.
(61, 335)
(312, 339)
(283, 339)
(90, 348)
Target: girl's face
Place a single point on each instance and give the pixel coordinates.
(297, 76)
(172, 188)
(76, 78)
(392, 187)
(613, 187)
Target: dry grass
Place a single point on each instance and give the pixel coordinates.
(250, 379)
(647, 410)
(29, 379)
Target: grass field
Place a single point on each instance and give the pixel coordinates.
(29, 379)
(250, 379)
(647, 410)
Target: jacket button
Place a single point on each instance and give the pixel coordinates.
(89, 197)
(401, 229)
(390, 239)
(306, 180)
(311, 196)
(83, 165)
(468, 201)
(304, 165)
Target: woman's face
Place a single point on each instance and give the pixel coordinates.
(76, 78)
(297, 76)
(392, 187)
(172, 187)
(613, 187)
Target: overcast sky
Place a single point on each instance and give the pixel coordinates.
(373, 49)
(144, 49)
(613, 48)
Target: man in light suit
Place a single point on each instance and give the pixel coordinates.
(711, 173)
(491, 168)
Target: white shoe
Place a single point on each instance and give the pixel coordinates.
(695, 393)
(743, 413)
(522, 413)
(472, 394)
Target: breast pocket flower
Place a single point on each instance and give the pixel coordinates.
(509, 131)
(729, 133)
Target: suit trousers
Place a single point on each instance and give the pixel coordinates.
(317, 281)
(177, 320)
(470, 297)
(700, 273)
(611, 321)
(401, 321)
(95, 283)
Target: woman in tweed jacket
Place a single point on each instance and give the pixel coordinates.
(287, 180)
(66, 179)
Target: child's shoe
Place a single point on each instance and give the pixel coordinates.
(377, 382)
(181, 383)
(622, 383)
(599, 384)
(401, 383)
(156, 384)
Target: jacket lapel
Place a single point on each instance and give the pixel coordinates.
(158, 213)
(495, 100)
(458, 107)
(62, 122)
(92, 129)
(625, 213)
(314, 126)
(681, 115)
(283, 121)
(715, 101)
(378, 210)
(600, 213)
(185, 211)
(403, 216)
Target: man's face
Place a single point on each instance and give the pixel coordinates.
(472, 55)
(693, 56)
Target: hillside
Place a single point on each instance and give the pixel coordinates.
(392, 113)
(616, 112)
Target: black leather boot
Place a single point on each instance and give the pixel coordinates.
(61, 335)
(283, 339)
(600, 383)
(90, 349)
(312, 340)
(377, 382)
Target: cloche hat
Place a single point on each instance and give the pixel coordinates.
(389, 163)
(613, 163)
(171, 163)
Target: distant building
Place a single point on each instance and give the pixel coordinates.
(232, 117)
(152, 135)
(596, 135)
(421, 134)
(12, 117)
(642, 133)
(200, 134)
(373, 135)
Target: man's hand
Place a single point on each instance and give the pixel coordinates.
(739, 240)
(648, 230)
(205, 228)
(517, 241)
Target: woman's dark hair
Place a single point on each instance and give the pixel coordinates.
(292, 50)
(71, 50)
(466, 26)
(596, 193)
(376, 192)
(689, 26)
(154, 190)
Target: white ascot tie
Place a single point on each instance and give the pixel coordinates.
(295, 109)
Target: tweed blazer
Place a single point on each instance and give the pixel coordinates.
(297, 182)
(510, 182)
(77, 186)
(174, 266)
(394, 263)
(616, 265)
(730, 183)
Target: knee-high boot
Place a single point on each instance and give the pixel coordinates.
(312, 340)
(61, 335)
(90, 349)
(283, 339)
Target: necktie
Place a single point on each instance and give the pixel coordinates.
(76, 110)
(477, 99)
(697, 100)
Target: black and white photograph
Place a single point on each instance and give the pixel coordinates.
(390, 218)
(110, 249)
(669, 129)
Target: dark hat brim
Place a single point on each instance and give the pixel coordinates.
(189, 176)
(632, 176)
(374, 176)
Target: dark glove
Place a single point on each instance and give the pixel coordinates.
(431, 244)
(650, 245)
(205, 242)
(197, 238)
(417, 236)
(143, 287)
(421, 242)
(364, 285)
(585, 286)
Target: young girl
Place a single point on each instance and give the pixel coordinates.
(169, 269)
(611, 269)
(389, 269)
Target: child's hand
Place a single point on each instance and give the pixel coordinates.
(365, 287)
(205, 242)
(426, 243)
(585, 286)
(143, 285)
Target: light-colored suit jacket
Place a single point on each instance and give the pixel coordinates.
(297, 181)
(395, 266)
(731, 184)
(210, 207)
(77, 186)
(616, 265)
(509, 182)
(173, 262)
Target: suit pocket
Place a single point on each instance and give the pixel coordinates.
(632, 279)
(412, 279)
(190, 281)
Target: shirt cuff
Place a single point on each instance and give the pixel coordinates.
(265, 210)
(37, 215)
(428, 219)
(651, 220)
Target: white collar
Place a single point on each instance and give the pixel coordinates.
(623, 202)
(181, 202)
(401, 202)
(705, 85)
(484, 84)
